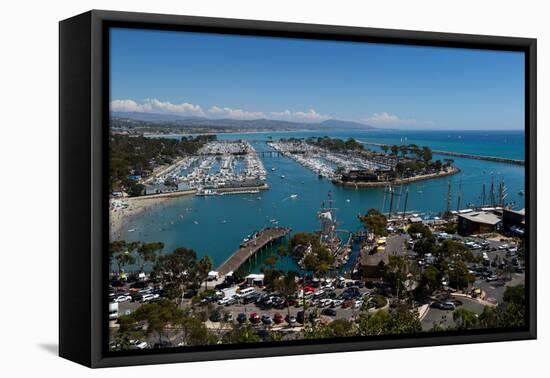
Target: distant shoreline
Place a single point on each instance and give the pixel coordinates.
(255, 132)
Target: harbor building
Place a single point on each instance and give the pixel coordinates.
(478, 222)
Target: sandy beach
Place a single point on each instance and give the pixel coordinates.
(119, 217)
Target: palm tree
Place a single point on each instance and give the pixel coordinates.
(287, 287)
(205, 266)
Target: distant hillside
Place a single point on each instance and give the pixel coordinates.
(336, 123)
(152, 120)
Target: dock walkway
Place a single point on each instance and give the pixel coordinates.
(250, 248)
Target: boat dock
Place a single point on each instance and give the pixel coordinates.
(251, 247)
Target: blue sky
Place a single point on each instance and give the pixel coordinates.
(242, 77)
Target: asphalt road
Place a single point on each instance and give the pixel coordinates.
(444, 318)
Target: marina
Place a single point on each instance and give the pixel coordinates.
(293, 201)
(219, 166)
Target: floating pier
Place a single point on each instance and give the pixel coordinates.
(251, 247)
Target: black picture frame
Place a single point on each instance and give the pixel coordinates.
(83, 228)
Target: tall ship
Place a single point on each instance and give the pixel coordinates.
(328, 233)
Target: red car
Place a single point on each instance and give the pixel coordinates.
(309, 289)
(290, 302)
(347, 304)
(254, 318)
(278, 318)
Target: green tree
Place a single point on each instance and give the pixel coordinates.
(510, 313)
(420, 228)
(123, 259)
(465, 319)
(205, 266)
(115, 248)
(375, 222)
(425, 246)
(148, 252)
(158, 316)
(241, 334)
(178, 271)
(287, 286)
(431, 278)
(426, 154)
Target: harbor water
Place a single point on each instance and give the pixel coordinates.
(216, 225)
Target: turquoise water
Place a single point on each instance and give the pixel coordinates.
(216, 225)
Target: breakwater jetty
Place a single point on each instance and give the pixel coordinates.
(399, 181)
(249, 248)
(460, 154)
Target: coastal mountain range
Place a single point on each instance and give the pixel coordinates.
(177, 121)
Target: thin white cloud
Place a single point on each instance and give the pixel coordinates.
(126, 106)
(386, 118)
(156, 106)
(234, 113)
(308, 116)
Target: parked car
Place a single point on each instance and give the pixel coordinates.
(450, 306)
(278, 318)
(215, 317)
(347, 303)
(443, 305)
(291, 320)
(149, 297)
(190, 293)
(267, 320)
(254, 318)
(241, 318)
(309, 289)
(123, 298)
(139, 344)
(329, 312)
(325, 302)
(228, 317)
(162, 344)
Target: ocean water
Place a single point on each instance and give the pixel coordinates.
(216, 225)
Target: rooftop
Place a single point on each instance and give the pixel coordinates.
(481, 217)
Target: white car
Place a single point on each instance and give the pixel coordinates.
(224, 301)
(325, 302)
(123, 298)
(149, 297)
(358, 303)
(139, 344)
